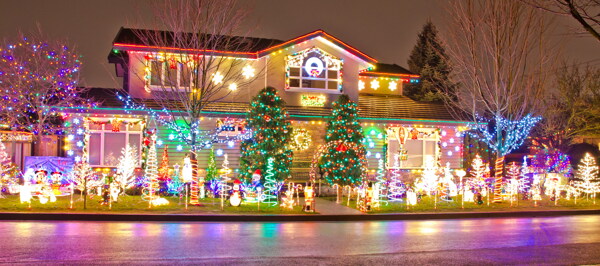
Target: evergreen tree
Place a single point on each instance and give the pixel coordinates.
(271, 132)
(428, 59)
(342, 164)
(163, 170)
(211, 169)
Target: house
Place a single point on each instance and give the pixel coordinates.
(310, 71)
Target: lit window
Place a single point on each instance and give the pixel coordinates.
(314, 69)
(168, 74)
(105, 145)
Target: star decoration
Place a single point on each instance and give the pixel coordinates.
(248, 72)
(217, 78)
(375, 84)
(393, 85)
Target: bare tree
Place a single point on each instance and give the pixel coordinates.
(572, 109)
(191, 63)
(37, 76)
(498, 51)
(585, 12)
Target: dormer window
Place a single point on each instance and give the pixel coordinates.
(167, 73)
(313, 70)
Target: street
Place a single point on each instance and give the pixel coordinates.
(558, 240)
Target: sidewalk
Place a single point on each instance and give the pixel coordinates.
(327, 207)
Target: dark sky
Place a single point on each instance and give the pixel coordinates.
(384, 29)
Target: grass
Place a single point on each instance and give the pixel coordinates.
(134, 204)
(428, 205)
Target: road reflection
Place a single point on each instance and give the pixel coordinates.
(40, 241)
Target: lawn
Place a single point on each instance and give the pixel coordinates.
(428, 205)
(135, 204)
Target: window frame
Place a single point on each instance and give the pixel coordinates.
(164, 69)
(435, 139)
(297, 61)
(127, 133)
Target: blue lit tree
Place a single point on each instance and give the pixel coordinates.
(499, 52)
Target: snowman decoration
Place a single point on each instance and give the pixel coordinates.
(236, 196)
(411, 197)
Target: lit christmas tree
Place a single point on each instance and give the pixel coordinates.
(513, 171)
(8, 171)
(211, 169)
(587, 175)
(271, 134)
(381, 184)
(163, 171)
(271, 185)
(151, 181)
(342, 164)
(126, 168)
(224, 186)
(524, 182)
(396, 187)
(429, 179)
(478, 171)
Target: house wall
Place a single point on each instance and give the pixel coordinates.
(270, 71)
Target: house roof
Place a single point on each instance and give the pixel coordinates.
(248, 47)
(376, 107)
(388, 70)
(400, 107)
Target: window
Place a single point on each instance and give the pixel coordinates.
(169, 74)
(418, 145)
(313, 69)
(105, 145)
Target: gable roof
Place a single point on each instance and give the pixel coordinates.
(128, 39)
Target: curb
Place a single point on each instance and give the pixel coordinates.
(282, 218)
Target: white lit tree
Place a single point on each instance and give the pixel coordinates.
(587, 173)
(381, 184)
(151, 179)
(429, 179)
(7, 169)
(126, 168)
(478, 170)
(224, 186)
(396, 188)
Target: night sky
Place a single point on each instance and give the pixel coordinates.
(383, 29)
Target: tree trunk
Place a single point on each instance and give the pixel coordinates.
(498, 170)
(194, 183)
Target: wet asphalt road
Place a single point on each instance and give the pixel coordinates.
(557, 240)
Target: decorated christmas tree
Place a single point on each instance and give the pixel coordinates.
(381, 183)
(428, 182)
(396, 188)
(524, 181)
(513, 171)
(211, 169)
(126, 167)
(151, 180)
(271, 132)
(343, 162)
(478, 171)
(163, 171)
(8, 171)
(272, 186)
(587, 175)
(224, 186)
